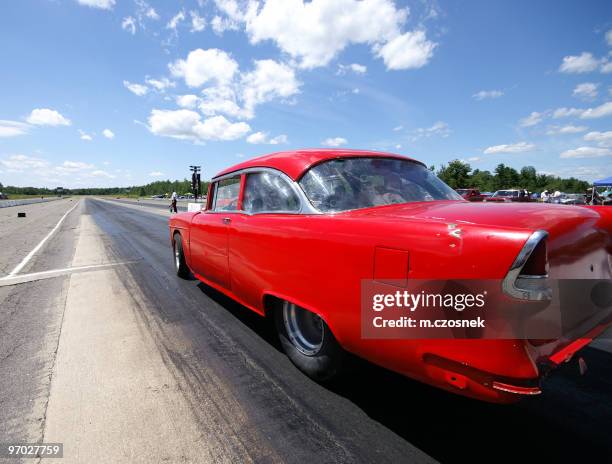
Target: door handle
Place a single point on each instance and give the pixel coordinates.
(227, 220)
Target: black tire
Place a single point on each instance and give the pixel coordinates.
(180, 265)
(321, 361)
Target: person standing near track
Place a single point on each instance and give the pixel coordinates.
(173, 203)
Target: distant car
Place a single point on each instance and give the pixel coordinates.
(573, 199)
(3, 196)
(471, 194)
(292, 236)
(507, 196)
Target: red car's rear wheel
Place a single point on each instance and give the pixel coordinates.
(180, 265)
(308, 342)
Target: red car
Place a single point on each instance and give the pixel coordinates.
(507, 196)
(292, 235)
(471, 194)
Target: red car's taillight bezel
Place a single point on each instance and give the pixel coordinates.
(527, 278)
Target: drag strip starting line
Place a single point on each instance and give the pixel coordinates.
(23, 278)
(25, 260)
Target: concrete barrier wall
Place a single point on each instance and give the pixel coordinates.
(25, 201)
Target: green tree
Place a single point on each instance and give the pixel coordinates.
(456, 174)
(528, 178)
(482, 180)
(506, 177)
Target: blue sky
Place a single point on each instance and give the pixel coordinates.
(123, 92)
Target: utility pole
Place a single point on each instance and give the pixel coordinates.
(196, 184)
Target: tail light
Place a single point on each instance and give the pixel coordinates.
(527, 278)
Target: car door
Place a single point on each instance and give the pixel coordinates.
(209, 233)
(260, 247)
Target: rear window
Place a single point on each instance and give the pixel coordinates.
(352, 183)
(269, 192)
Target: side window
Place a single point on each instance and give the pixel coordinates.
(226, 194)
(269, 192)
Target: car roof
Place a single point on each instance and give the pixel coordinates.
(295, 162)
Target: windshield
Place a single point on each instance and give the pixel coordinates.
(506, 193)
(353, 183)
(462, 191)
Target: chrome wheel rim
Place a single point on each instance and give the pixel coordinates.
(305, 329)
(177, 259)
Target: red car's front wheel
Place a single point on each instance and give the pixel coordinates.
(308, 342)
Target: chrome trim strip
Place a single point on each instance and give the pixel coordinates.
(509, 284)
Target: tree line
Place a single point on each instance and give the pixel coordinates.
(459, 174)
(159, 187)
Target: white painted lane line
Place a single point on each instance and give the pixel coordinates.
(25, 260)
(23, 278)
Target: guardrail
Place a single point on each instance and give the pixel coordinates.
(25, 201)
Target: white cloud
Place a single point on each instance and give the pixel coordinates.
(606, 67)
(220, 99)
(597, 112)
(128, 24)
(220, 25)
(198, 23)
(440, 129)
(20, 163)
(567, 113)
(603, 139)
(147, 10)
(160, 84)
(569, 129)
(13, 128)
(484, 94)
(176, 20)
(609, 37)
(136, 89)
(586, 152)
(600, 111)
(410, 50)
(101, 4)
(187, 125)
(202, 66)
(156, 174)
(586, 90)
(334, 142)
(257, 138)
(109, 134)
(47, 117)
(85, 136)
(585, 62)
(230, 8)
(474, 159)
(262, 137)
(519, 147)
(533, 119)
(314, 33)
(279, 140)
(100, 173)
(398, 128)
(70, 167)
(187, 101)
(353, 67)
(269, 80)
